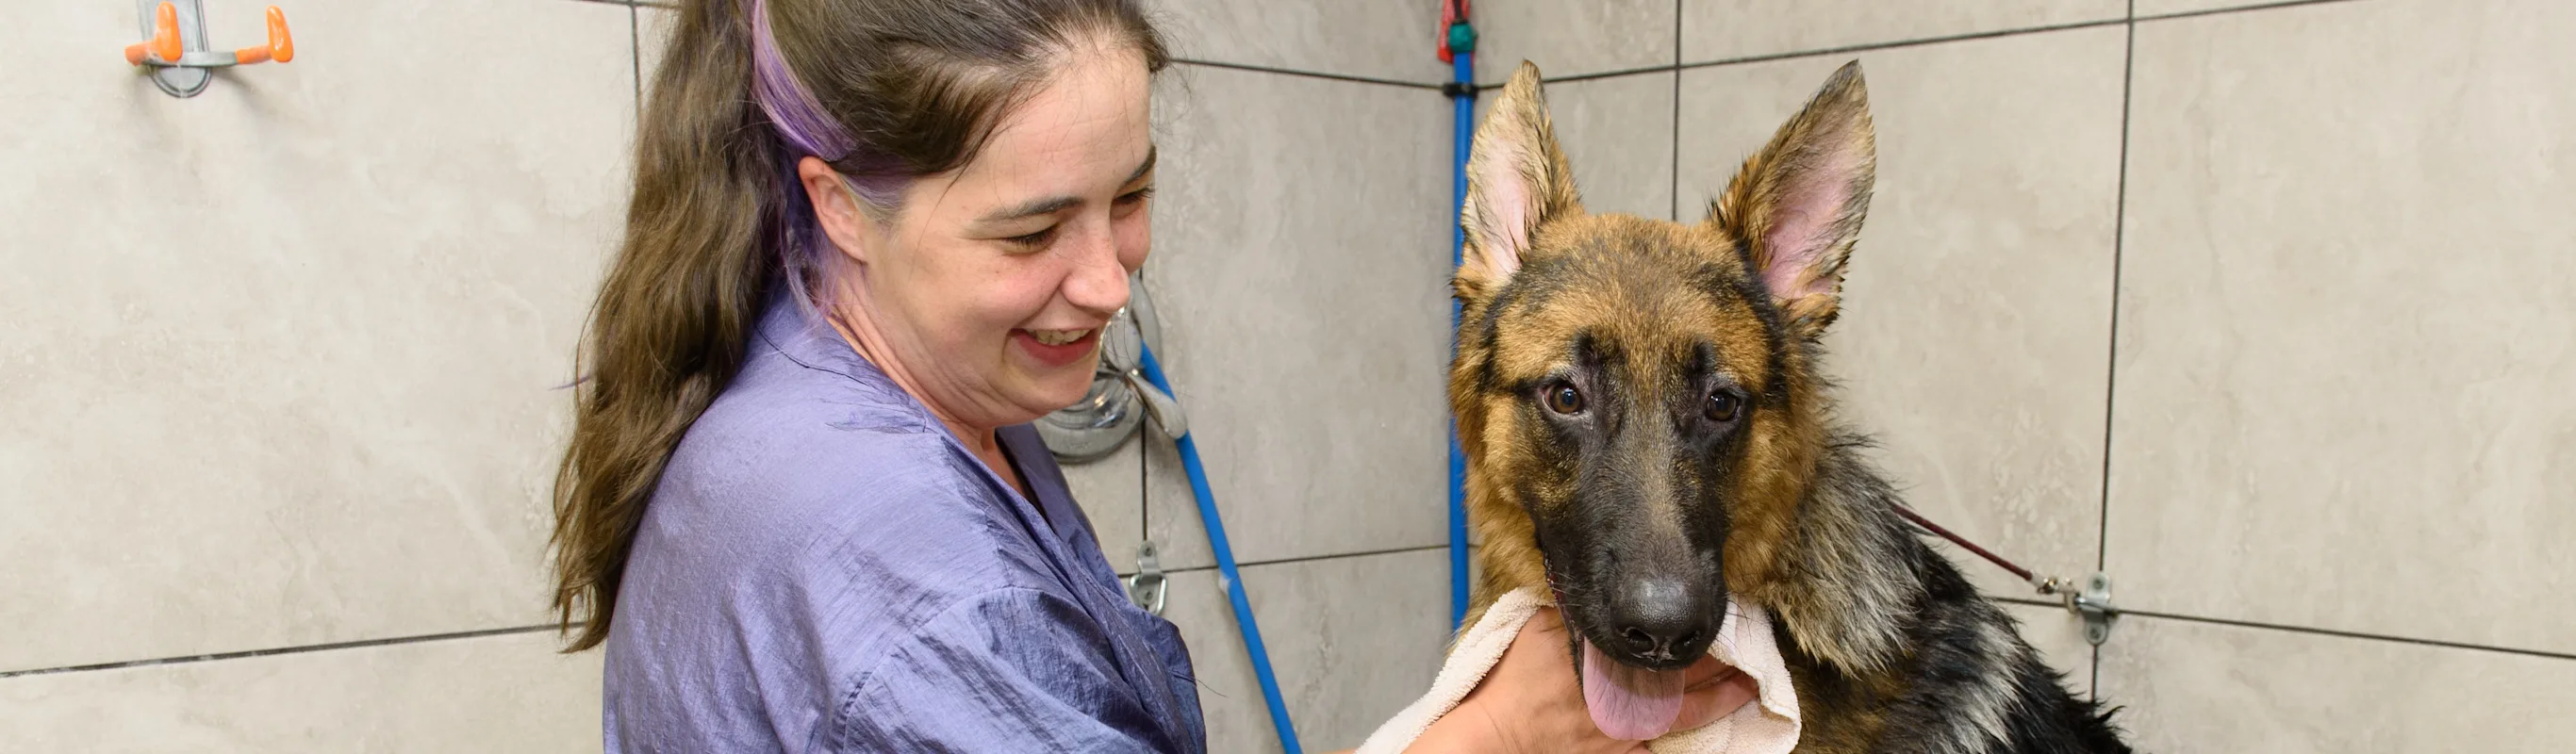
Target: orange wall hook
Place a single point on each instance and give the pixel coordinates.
(165, 38)
(280, 47)
(177, 52)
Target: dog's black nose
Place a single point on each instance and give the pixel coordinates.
(1660, 620)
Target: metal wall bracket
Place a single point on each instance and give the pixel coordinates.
(2090, 600)
(176, 51)
(1147, 586)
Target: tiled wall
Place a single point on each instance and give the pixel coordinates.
(2264, 309)
(2294, 277)
(279, 375)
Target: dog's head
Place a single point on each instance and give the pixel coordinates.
(1643, 391)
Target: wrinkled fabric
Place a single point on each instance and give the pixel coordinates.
(824, 568)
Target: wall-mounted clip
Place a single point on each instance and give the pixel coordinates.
(1147, 586)
(2090, 601)
(175, 46)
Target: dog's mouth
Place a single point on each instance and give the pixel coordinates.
(1626, 702)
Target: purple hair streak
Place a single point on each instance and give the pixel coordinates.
(801, 121)
(798, 117)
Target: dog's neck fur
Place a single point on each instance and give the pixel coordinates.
(1849, 580)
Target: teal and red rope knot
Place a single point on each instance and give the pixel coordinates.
(1456, 35)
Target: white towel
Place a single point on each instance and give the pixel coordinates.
(1769, 725)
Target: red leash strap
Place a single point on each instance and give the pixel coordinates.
(1927, 524)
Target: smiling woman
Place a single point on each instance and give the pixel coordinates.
(870, 240)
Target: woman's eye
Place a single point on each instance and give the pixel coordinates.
(1033, 239)
(1722, 407)
(1563, 398)
(1135, 196)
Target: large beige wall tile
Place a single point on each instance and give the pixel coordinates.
(283, 357)
(1729, 29)
(1571, 39)
(1300, 268)
(2190, 686)
(2344, 341)
(509, 693)
(1975, 324)
(1618, 132)
(1353, 640)
(1366, 38)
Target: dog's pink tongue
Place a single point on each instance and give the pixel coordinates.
(1628, 703)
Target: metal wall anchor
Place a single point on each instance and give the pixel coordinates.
(176, 51)
(2090, 601)
(1147, 586)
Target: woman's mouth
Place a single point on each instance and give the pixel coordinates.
(1057, 348)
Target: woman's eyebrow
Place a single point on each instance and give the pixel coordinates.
(1032, 208)
(1143, 167)
(1053, 204)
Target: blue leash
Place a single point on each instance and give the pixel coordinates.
(1189, 448)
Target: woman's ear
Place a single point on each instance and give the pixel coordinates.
(844, 220)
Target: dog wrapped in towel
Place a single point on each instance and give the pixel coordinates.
(1651, 442)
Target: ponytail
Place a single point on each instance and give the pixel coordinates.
(669, 328)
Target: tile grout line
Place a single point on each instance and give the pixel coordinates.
(271, 652)
(2133, 9)
(635, 41)
(1313, 558)
(1144, 489)
(1923, 41)
(2111, 370)
(2339, 633)
(2310, 630)
(1847, 49)
(1306, 74)
(1673, 197)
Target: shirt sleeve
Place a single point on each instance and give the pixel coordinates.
(1011, 670)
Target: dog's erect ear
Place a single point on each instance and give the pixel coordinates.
(1800, 201)
(1516, 179)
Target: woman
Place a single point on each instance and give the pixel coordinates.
(870, 240)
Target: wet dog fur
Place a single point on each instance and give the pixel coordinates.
(1647, 432)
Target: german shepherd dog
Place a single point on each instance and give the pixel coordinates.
(1647, 433)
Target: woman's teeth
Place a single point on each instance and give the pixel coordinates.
(1058, 337)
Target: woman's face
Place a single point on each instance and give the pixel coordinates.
(990, 286)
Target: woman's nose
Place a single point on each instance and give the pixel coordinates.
(1097, 282)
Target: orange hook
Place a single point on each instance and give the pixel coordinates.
(280, 47)
(165, 38)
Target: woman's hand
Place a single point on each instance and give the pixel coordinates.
(1532, 702)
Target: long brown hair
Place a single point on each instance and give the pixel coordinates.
(886, 91)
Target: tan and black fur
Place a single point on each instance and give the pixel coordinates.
(1648, 431)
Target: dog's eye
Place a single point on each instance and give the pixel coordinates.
(1563, 398)
(1722, 407)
